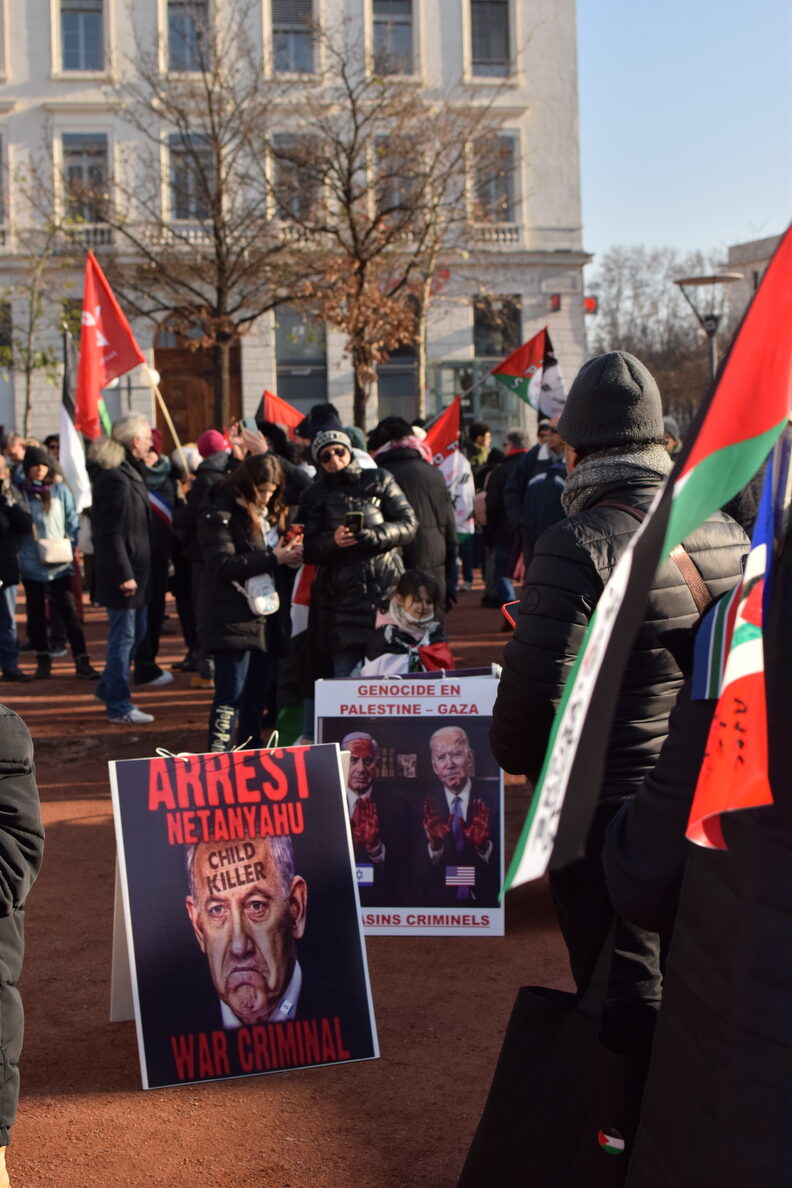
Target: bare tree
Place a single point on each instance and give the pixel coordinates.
(31, 341)
(204, 248)
(641, 310)
(377, 180)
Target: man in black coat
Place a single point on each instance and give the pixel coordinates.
(122, 556)
(461, 844)
(498, 532)
(612, 427)
(434, 549)
(15, 522)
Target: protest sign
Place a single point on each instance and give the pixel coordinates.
(244, 939)
(424, 797)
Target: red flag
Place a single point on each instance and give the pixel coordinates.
(442, 436)
(107, 347)
(280, 412)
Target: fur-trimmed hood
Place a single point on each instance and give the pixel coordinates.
(106, 453)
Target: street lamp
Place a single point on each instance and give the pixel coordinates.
(708, 309)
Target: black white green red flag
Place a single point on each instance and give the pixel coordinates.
(72, 451)
(734, 431)
(533, 374)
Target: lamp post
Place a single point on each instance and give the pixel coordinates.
(708, 309)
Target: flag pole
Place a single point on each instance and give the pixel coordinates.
(164, 410)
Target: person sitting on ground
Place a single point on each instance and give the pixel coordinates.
(54, 520)
(409, 635)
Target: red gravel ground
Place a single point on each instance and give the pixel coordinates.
(441, 1004)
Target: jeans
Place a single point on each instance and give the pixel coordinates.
(503, 584)
(9, 651)
(127, 628)
(242, 684)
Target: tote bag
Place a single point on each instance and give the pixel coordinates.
(560, 1103)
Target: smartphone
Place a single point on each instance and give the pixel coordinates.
(509, 609)
(354, 521)
(249, 423)
(293, 534)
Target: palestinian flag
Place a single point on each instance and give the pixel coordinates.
(611, 1141)
(735, 429)
(72, 451)
(734, 774)
(532, 372)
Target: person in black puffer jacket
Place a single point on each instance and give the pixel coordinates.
(235, 531)
(395, 447)
(612, 426)
(357, 568)
(21, 850)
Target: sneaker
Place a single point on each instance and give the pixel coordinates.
(188, 664)
(135, 717)
(56, 653)
(16, 674)
(199, 682)
(466, 586)
(164, 678)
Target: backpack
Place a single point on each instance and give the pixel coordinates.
(541, 505)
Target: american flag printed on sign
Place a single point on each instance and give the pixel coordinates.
(460, 876)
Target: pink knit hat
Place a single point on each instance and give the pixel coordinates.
(211, 442)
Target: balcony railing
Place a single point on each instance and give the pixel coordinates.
(507, 234)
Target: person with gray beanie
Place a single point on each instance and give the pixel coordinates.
(616, 461)
(356, 522)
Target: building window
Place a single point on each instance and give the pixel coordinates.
(497, 329)
(292, 36)
(301, 357)
(187, 24)
(393, 36)
(192, 176)
(295, 182)
(3, 198)
(85, 175)
(82, 45)
(495, 178)
(6, 330)
(489, 21)
(395, 178)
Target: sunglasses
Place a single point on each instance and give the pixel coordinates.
(332, 452)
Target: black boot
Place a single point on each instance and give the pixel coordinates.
(16, 674)
(43, 666)
(83, 668)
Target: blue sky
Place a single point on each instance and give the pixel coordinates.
(685, 121)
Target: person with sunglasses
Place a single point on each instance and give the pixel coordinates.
(356, 523)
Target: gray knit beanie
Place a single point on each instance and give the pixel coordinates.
(613, 401)
(329, 437)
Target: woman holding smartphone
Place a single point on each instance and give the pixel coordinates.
(356, 522)
(239, 535)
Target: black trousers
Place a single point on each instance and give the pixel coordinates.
(581, 901)
(146, 667)
(62, 596)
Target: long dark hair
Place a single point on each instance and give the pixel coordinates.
(250, 474)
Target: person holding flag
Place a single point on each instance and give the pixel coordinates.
(612, 428)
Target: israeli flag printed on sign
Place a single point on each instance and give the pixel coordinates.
(365, 875)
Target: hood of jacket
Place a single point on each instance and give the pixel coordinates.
(106, 453)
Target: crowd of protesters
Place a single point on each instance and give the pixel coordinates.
(240, 523)
(351, 515)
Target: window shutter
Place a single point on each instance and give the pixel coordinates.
(292, 12)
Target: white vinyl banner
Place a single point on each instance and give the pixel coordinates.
(425, 800)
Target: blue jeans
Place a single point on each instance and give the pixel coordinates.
(9, 651)
(503, 584)
(127, 628)
(242, 684)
